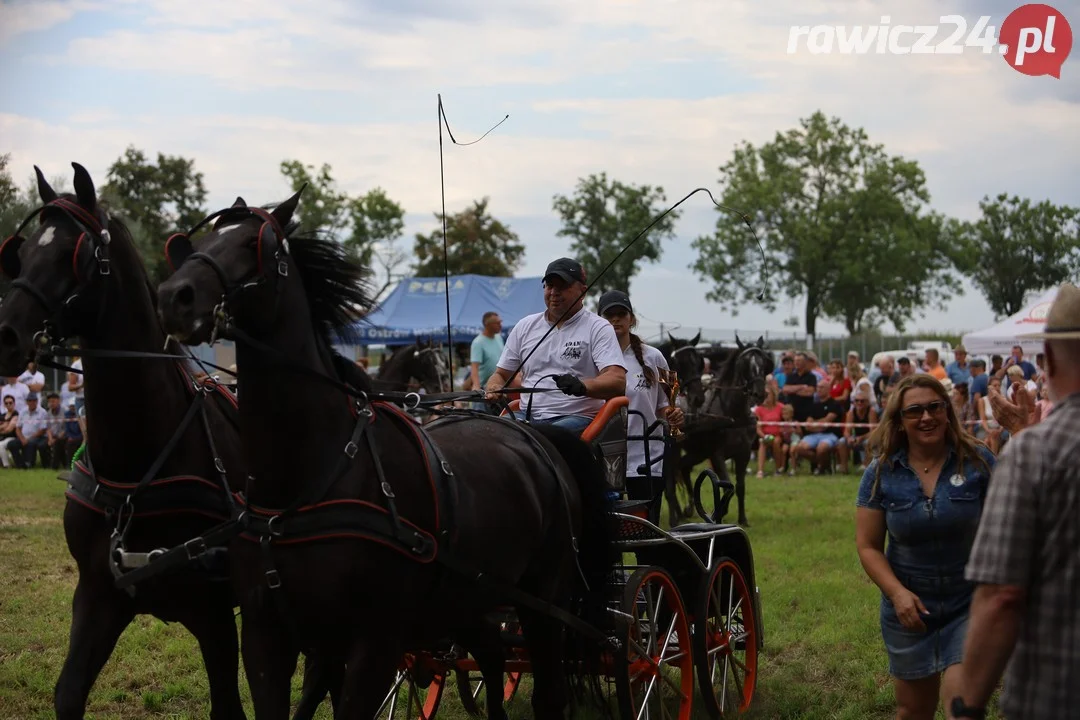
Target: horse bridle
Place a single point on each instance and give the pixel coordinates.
(441, 371)
(270, 240)
(84, 261)
(748, 388)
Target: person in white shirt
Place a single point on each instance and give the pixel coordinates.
(30, 436)
(579, 356)
(73, 389)
(33, 378)
(648, 401)
(19, 391)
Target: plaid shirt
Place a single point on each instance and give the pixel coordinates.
(1029, 536)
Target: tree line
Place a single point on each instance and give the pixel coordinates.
(842, 224)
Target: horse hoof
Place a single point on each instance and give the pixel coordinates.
(743, 522)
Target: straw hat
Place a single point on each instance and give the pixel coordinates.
(1063, 320)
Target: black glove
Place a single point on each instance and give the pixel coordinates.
(570, 385)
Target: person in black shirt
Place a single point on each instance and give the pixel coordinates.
(798, 390)
(819, 439)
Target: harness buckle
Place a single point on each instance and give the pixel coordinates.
(283, 268)
(102, 259)
(219, 465)
(276, 531)
(387, 490)
(446, 468)
(195, 548)
(273, 580)
(351, 449)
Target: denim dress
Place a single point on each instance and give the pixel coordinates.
(929, 540)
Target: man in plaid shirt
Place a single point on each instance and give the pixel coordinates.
(1026, 556)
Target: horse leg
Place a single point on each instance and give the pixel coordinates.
(742, 458)
(544, 639)
(216, 632)
(323, 673)
(370, 669)
(269, 663)
(484, 642)
(99, 616)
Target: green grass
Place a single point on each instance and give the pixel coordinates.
(823, 655)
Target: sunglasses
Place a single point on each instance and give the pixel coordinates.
(912, 412)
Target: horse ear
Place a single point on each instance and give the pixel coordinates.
(240, 203)
(697, 339)
(671, 338)
(44, 189)
(738, 342)
(761, 341)
(283, 213)
(84, 187)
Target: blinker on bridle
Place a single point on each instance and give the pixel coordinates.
(270, 240)
(83, 260)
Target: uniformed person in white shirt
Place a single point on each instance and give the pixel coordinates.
(581, 356)
(648, 400)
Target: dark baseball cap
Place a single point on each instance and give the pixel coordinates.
(904, 360)
(31, 396)
(568, 269)
(614, 298)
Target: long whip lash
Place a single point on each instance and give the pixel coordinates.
(742, 216)
(446, 261)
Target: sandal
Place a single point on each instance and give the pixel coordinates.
(760, 474)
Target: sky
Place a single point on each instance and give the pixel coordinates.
(654, 92)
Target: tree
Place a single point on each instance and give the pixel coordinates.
(476, 243)
(14, 207)
(158, 199)
(1017, 248)
(842, 224)
(603, 217)
(369, 225)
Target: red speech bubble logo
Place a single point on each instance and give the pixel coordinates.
(1035, 40)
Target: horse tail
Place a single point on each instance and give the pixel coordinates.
(596, 550)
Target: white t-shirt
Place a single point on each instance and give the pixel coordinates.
(32, 378)
(19, 391)
(67, 397)
(1032, 388)
(583, 346)
(647, 401)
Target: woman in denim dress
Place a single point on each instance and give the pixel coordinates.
(924, 489)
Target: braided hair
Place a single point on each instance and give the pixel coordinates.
(635, 345)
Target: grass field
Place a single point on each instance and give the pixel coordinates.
(823, 655)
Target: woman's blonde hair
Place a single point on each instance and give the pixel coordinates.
(889, 436)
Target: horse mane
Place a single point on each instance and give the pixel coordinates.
(338, 294)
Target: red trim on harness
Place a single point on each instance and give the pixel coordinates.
(415, 430)
(75, 257)
(168, 257)
(154, 513)
(92, 222)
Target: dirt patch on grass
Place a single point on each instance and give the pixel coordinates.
(24, 521)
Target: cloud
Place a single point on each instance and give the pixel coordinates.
(17, 18)
(651, 92)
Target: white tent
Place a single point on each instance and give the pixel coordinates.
(1000, 338)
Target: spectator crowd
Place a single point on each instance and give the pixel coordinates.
(32, 431)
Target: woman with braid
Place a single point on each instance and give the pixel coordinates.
(647, 397)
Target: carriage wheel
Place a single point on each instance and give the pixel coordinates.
(725, 640)
(657, 679)
(407, 701)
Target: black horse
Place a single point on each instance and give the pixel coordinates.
(78, 275)
(367, 537)
(423, 362)
(721, 427)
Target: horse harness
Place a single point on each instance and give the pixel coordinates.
(91, 253)
(156, 496)
(712, 390)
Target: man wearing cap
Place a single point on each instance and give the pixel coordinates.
(30, 438)
(1025, 614)
(576, 351)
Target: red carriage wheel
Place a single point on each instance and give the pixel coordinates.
(725, 640)
(408, 701)
(656, 679)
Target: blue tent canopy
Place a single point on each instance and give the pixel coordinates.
(416, 308)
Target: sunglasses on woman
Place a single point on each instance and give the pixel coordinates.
(912, 412)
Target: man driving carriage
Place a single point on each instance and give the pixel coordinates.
(581, 355)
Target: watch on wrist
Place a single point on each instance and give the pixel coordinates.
(960, 710)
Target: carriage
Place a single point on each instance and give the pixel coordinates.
(685, 600)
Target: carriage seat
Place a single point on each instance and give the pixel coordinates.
(607, 432)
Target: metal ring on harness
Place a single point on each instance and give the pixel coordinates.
(276, 532)
(415, 404)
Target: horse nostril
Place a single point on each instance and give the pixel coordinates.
(185, 296)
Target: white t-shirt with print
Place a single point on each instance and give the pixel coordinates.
(647, 401)
(582, 347)
(32, 378)
(19, 391)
